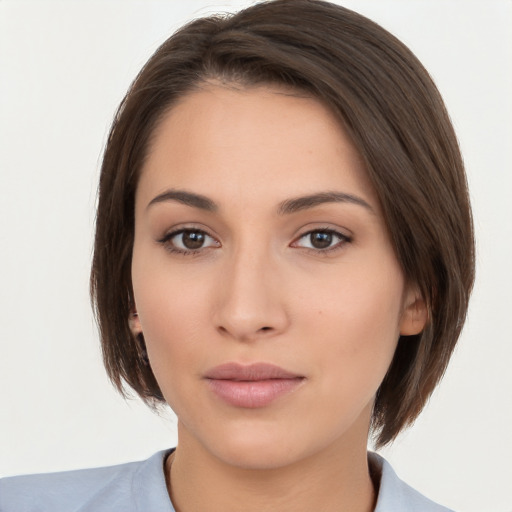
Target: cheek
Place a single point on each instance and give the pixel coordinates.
(166, 303)
(173, 305)
(363, 305)
(356, 322)
(170, 316)
(173, 337)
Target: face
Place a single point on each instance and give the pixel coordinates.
(266, 286)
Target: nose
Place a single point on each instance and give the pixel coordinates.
(250, 298)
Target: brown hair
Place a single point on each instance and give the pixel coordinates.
(395, 116)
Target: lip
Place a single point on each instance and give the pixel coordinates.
(251, 386)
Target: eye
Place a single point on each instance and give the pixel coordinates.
(321, 240)
(188, 240)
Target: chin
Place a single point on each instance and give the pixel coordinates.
(260, 455)
(266, 446)
(254, 447)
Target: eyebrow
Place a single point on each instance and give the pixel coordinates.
(285, 208)
(305, 202)
(187, 198)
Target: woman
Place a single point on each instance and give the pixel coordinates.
(284, 255)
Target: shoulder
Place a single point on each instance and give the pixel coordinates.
(99, 489)
(395, 495)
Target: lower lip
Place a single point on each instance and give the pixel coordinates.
(253, 394)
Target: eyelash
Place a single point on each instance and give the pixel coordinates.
(343, 239)
(166, 241)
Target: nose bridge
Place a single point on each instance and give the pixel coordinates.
(250, 301)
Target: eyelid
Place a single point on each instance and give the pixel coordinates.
(184, 227)
(343, 239)
(166, 240)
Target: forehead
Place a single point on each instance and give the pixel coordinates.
(239, 142)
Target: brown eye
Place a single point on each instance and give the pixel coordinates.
(193, 239)
(188, 240)
(320, 239)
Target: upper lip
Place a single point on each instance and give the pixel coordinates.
(249, 372)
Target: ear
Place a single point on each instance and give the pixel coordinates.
(415, 313)
(134, 322)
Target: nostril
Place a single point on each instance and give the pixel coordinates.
(266, 329)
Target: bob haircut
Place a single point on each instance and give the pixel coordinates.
(394, 114)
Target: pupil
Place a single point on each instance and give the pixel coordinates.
(321, 240)
(193, 239)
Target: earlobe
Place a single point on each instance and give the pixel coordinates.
(415, 315)
(134, 322)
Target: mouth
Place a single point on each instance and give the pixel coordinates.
(251, 386)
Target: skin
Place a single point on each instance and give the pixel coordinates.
(258, 290)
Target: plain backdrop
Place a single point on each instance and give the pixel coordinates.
(64, 67)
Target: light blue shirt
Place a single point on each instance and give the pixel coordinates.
(140, 487)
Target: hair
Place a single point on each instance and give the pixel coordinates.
(395, 116)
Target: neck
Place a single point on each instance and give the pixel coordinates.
(336, 480)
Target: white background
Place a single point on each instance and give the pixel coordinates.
(64, 67)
